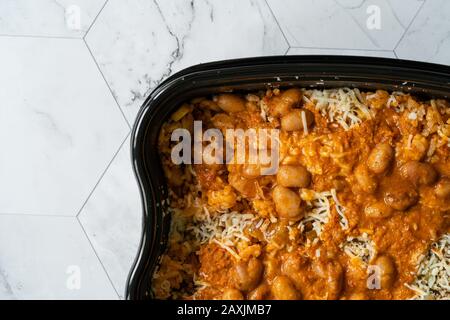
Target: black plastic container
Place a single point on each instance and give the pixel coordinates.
(423, 79)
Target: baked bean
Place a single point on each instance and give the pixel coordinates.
(279, 107)
(247, 274)
(230, 102)
(287, 203)
(292, 96)
(401, 198)
(259, 293)
(293, 176)
(223, 121)
(271, 266)
(378, 210)
(380, 157)
(291, 265)
(293, 120)
(442, 188)
(419, 173)
(365, 179)
(283, 289)
(333, 275)
(232, 294)
(418, 148)
(251, 170)
(283, 104)
(387, 271)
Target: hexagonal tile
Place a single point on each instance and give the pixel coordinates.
(428, 37)
(137, 44)
(112, 218)
(344, 23)
(51, 259)
(62, 18)
(405, 14)
(59, 125)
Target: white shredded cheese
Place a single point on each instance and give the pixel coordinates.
(320, 211)
(264, 109)
(360, 247)
(344, 106)
(227, 248)
(228, 228)
(433, 274)
(343, 221)
(305, 124)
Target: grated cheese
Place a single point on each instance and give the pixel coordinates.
(443, 132)
(343, 221)
(264, 109)
(227, 248)
(228, 228)
(200, 286)
(320, 211)
(433, 274)
(319, 214)
(393, 102)
(344, 106)
(432, 147)
(410, 139)
(305, 123)
(360, 247)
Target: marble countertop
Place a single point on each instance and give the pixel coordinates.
(73, 76)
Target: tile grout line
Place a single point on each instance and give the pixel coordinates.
(16, 214)
(38, 36)
(58, 37)
(95, 19)
(103, 174)
(278, 24)
(99, 260)
(88, 197)
(107, 84)
(409, 25)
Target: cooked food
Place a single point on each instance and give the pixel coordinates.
(358, 207)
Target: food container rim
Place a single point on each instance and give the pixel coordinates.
(242, 75)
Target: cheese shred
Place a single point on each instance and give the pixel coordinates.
(432, 280)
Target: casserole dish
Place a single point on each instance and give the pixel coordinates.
(242, 75)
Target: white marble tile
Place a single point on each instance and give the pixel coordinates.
(405, 10)
(61, 18)
(341, 52)
(139, 43)
(343, 23)
(59, 125)
(49, 258)
(112, 218)
(428, 38)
